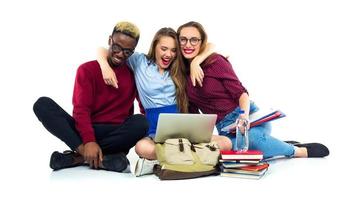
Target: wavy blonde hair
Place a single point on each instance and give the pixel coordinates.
(177, 72)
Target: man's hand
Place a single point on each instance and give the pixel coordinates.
(93, 154)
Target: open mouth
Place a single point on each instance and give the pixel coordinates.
(165, 61)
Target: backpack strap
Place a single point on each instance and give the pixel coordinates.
(181, 145)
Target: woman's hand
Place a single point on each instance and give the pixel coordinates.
(243, 123)
(109, 76)
(196, 74)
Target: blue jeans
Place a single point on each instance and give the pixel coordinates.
(259, 136)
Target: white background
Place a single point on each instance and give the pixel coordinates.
(293, 55)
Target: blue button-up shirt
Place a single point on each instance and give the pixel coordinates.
(154, 89)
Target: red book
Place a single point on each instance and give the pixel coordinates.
(271, 117)
(257, 118)
(241, 155)
(259, 167)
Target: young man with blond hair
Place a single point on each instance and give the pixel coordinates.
(102, 128)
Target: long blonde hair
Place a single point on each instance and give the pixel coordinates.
(177, 71)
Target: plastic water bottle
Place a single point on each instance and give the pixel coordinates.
(241, 139)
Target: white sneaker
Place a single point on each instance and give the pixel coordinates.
(127, 170)
(144, 167)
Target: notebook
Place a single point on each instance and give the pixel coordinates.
(197, 128)
(259, 117)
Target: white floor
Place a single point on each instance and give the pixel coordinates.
(25, 171)
(285, 179)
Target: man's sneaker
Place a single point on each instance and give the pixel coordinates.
(64, 160)
(144, 167)
(116, 162)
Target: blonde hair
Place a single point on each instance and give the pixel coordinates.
(177, 71)
(127, 28)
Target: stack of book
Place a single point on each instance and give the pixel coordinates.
(247, 164)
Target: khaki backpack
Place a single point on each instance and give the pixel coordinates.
(179, 159)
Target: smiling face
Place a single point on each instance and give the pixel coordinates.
(165, 52)
(190, 42)
(121, 47)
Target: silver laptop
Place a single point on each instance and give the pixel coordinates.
(197, 128)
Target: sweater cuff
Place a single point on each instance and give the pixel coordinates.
(88, 138)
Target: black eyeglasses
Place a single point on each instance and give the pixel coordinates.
(116, 48)
(193, 41)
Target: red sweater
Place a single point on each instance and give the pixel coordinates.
(221, 88)
(96, 102)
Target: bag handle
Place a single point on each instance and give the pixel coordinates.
(212, 148)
